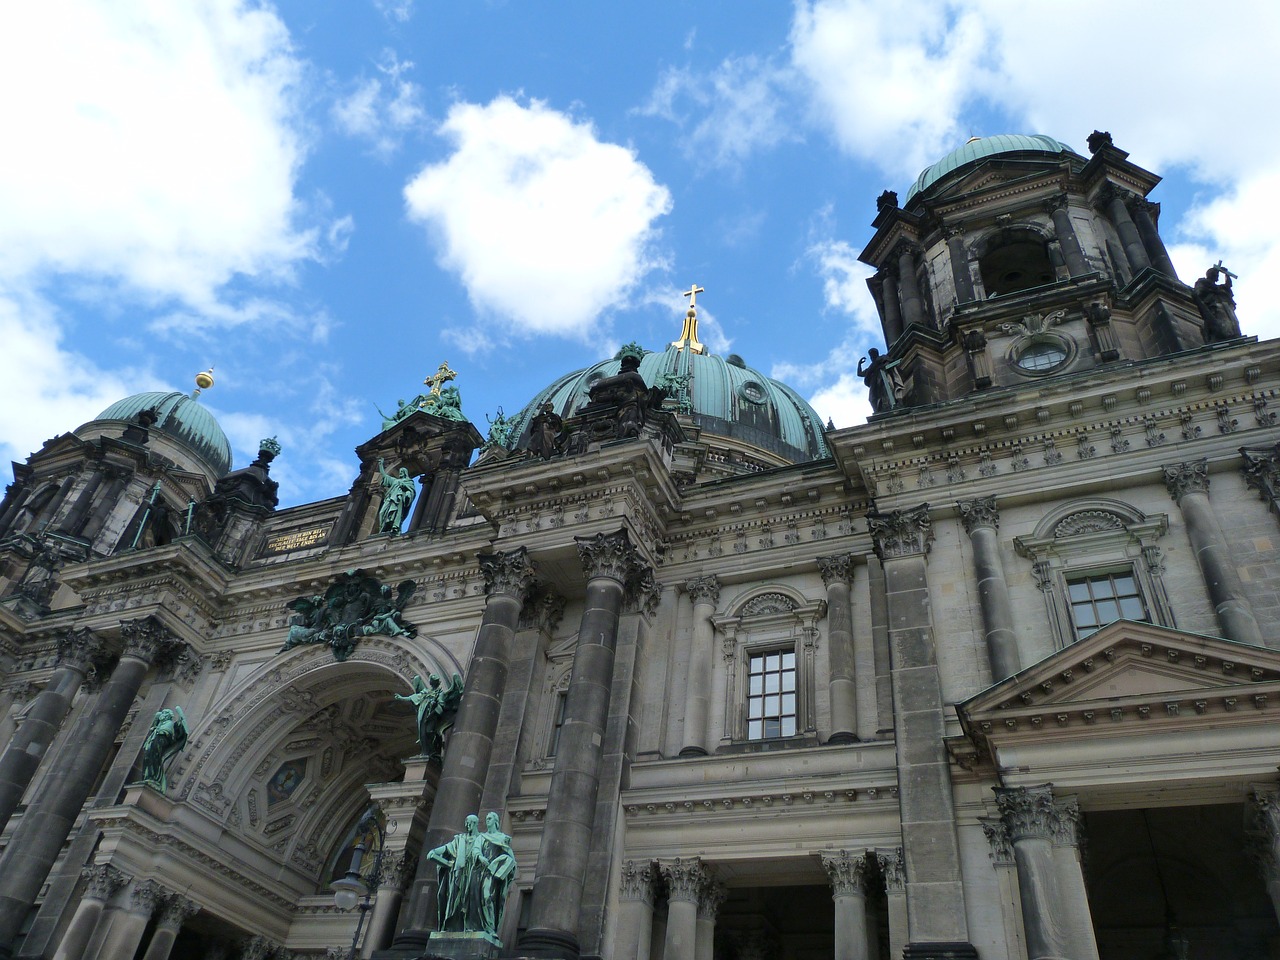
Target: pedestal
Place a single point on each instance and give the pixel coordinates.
(460, 946)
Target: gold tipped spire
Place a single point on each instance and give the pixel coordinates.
(204, 380)
(689, 335)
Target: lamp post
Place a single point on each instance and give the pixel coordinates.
(354, 889)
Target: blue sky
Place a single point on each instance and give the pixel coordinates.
(327, 199)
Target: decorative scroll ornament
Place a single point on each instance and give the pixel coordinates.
(685, 878)
(980, 512)
(1033, 324)
(901, 533)
(838, 569)
(176, 911)
(145, 896)
(703, 590)
(848, 872)
(712, 894)
(643, 593)
(510, 573)
(1027, 812)
(1261, 471)
(1189, 477)
(356, 605)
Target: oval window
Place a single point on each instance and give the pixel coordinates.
(752, 392)
(1041, 356)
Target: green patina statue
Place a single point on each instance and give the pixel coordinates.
(355, 605)
(475, 872)
(165, 740)
(397, 496)
(499, 431)
(437, 706)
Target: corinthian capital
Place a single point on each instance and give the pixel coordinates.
(838, 569)
(1189, 477)
(703, 590)
(637, 881)
(78, 649)
(509, 574)
(608, 555)
(104, 880)
(901, 533)
(685, 878)
(144, 639)
(177, 910)
(979, 512)
(848, 872)
(1027, 812)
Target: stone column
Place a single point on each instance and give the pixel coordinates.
(895, 888)
(1031, 819)
(11, 700)
(960, 274)
(935, 895)
(1142, 210)
(710, 897)
(76, 652)
(175, 911)
(1261, 470)
(705, 594)
(981, 521)
(909, 286)
(611, 565)
(685, 880)
(1263, 839)
(397, 872)
(848, 873)
(1116, 201)
(1077, 918)
(837, 574)
(104, 881)
(892, 312)
(1188, 484)
(1068, 242)
(129, 922)
(47, 823)
(635, 911)
(508, 577)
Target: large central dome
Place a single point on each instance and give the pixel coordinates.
(980, 148)
(763, 419)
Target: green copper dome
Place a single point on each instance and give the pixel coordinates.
(182, 417)
(979, 148)
(725, 398)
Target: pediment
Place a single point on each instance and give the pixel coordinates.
(996, 173)
(1128, 672)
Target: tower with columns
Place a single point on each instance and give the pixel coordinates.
(992, 675)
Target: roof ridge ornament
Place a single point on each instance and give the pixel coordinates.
(689, 335)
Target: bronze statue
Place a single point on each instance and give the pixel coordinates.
(398, 494)
(437, 705)
(500, 871)
(475, 871)
(1217, 304)
(355, 605)
(884, 382)
(544, 432)
(165, 740)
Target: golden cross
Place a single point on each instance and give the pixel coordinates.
(441, 377)
(692, 294)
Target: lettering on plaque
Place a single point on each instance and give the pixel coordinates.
(296, 540)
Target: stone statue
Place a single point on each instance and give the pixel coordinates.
(402, 411)
(627, 393)
(165, 740)
(884, 382)
(447, 404)
(398, 494)
(437, 705)
(355, 605)
(544, 432)
(1217, 304)
(475, 871)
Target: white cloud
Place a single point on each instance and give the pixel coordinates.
(547, 226)
(844, 402)
(396, 11)
(844, 284)
(381, 110)
(742, 107)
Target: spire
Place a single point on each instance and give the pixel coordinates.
(689, 335)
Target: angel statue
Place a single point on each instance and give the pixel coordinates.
(386, 612)
(437, 705)
(165, 740)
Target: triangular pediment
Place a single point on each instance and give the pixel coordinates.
(997, 173)
(1128, 672)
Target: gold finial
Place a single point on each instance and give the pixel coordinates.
(689, 335)
(204, 380)
(439, 378)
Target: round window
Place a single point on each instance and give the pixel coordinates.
(752, 392)
(1041, 356)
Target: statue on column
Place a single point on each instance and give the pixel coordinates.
(884, 383)
(398, 494)
(437, 706)
(165, 740)
(1217, 304)
(545, 432)
(475, 871)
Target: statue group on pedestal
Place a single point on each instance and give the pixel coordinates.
(475, 871)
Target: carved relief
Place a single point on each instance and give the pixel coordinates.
(1183, 478)
(685, 877)
(703, 590)
(510, 574)
(838, 569)
(847, 872)
(1027, 812)
(901, 533)
(979, 512)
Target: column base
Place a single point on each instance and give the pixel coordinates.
(939, 951)
(407, 945)
(842, 737)
(548, 945)
(692, 752)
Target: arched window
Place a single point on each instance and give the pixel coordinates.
(1014, 264)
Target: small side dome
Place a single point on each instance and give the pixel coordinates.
(979, 148)
(181, 417)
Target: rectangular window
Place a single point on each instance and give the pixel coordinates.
(771, 695)
(1098, 599)
(557, 722)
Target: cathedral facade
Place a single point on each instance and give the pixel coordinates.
(989, 675)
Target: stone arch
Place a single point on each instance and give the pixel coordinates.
(1013, 258)
(766, 598)
(1104, 512)
(339, 726)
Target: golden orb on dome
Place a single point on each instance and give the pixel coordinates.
(204, 379)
